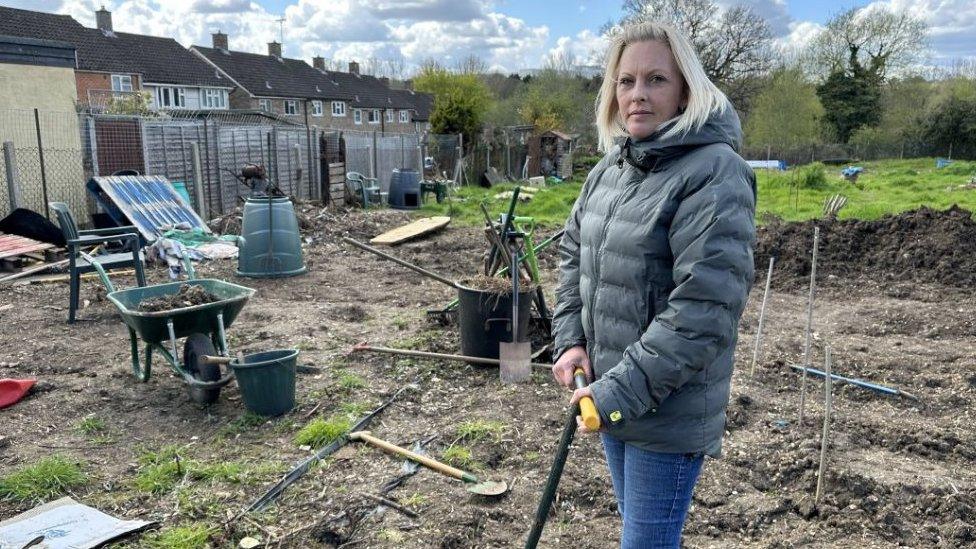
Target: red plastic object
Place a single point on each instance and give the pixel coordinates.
(12, 390)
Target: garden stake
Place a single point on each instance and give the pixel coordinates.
(806, 341)
(825, 437)
(591, 419)
(304, 466)
(762, 316)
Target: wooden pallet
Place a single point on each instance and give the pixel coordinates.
(12, 245)
(411, 230)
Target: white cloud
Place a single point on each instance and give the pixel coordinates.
(220, 6)
(586, 48)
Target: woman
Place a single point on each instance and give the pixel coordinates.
(656, 264)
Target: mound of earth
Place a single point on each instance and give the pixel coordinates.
(187, 296)
(923, 245)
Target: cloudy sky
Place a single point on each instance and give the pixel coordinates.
(509, 35)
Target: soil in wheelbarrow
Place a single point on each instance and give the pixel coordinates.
(187, 296)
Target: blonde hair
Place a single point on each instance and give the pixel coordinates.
(703, 97)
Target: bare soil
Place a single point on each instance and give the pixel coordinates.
(901, 472)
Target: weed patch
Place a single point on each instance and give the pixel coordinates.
(43, 480)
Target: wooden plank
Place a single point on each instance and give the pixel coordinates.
(411, 230)
(66, 277)
(33, 270)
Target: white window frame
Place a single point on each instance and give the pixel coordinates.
(357, 116)
(316, 108)
(122, 82)
(170, 97)
(374, 116)
(264, 105)
(404, 116)
(338, 108)
(389, 116)
(214, 98)
(291, 106)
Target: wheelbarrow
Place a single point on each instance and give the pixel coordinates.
(204, 327)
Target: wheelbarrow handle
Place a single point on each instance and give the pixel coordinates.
(101, 271)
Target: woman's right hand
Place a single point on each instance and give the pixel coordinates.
(574, 357)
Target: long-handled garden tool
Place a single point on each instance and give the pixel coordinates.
(473, 483)
(591, 419)
(516, 356)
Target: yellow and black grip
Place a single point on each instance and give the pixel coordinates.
(587, 407)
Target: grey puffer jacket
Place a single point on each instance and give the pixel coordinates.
(656, 265)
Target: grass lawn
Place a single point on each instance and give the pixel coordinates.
(885, 186)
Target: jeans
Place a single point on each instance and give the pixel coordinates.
(653, 492)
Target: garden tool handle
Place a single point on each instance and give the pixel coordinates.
(442, 468)
(587, 407)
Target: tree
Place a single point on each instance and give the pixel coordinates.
(734, 44)
(460, 101)
(879, 39)
(950, 122)
(851, 99)
(557, 100)
(786, 113)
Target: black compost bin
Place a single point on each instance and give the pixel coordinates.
(404, 190)
(484, 320)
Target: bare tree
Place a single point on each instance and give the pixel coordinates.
(562, 62)
(734, 44)
(472, 64)
(875, 37)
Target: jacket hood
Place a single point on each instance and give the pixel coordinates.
(653, 151)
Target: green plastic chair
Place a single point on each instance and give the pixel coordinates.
(364, 189)
(78, 265)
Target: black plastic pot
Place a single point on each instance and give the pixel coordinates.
(485, 320)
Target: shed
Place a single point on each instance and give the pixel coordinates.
(551, 153)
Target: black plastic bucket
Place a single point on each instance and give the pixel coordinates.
(267, 381)
(485, 320)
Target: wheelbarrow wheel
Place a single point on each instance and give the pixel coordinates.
(198, 345)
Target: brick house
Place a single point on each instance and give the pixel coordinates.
(301, 93)
(111, 65)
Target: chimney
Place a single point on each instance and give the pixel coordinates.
(274, 49)
(408, 84)
(219, 41)
(103, 19)
(354, 67)
(318, 62)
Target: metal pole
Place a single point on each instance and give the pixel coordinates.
(198, 180)
(806, 341)
(762, 317)
(403, 153)
(373, 162)
(825, 437)
(40, 156)
(14, 199)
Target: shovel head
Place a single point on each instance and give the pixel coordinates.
(488, 488)
(515, 362)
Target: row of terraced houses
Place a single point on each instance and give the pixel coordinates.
(109, 65)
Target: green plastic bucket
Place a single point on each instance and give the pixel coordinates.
(267, 381)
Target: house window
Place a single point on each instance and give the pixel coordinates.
(170, 98)
(404, 116)
(264, 105)
(121, 83)
(291, 107)
(357, 116)
(214, 98)
(338, 108)
(374, 116)
(316, 108)
(389, 115)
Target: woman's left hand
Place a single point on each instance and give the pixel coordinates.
(577, 395)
